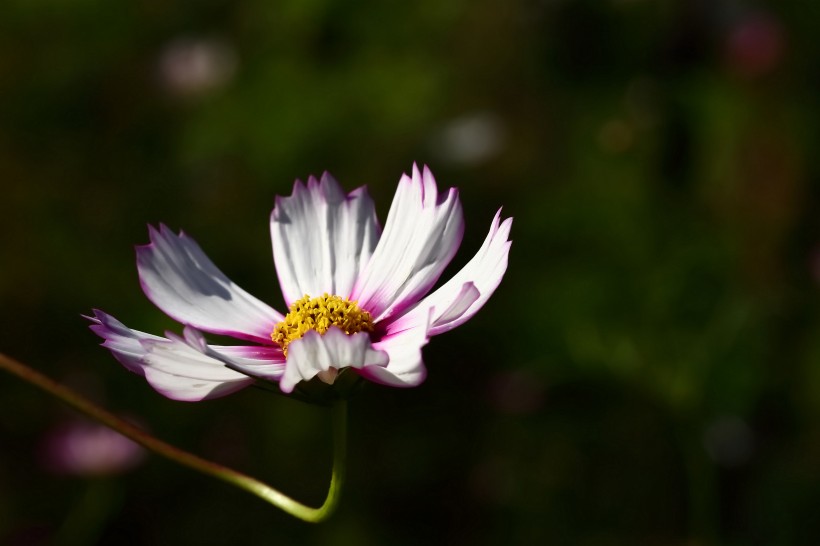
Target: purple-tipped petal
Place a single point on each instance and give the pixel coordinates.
(182, 281)
(421, 236)
(455, 302)
(123, 342)
(177, 367)
(315, 353)
(403, 346)
(322, 238)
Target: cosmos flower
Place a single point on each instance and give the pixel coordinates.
(358, 296)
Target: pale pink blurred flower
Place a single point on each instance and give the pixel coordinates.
(87, 449)
(191, 67)
(729, 441)
(470, 139)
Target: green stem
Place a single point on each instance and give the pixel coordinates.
(243, 481)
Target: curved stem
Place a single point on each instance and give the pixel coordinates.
(238, 479)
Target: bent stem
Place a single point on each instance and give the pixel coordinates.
(238, 479)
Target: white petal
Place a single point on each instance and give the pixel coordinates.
(181, 372)
(322, 238)
(314, 353)
(455, 302)
(459, 304)
(178, 368)
(406, 367)
(421, 236)
(182, 281)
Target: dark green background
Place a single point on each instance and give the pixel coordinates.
(647, 373)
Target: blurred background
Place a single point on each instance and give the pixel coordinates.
(648, 372)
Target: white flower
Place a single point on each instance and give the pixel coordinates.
(357, 295)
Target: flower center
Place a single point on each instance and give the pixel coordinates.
(320, 314)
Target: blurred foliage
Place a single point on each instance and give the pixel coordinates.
(647, 373)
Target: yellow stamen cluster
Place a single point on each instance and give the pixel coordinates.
(320, 314)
